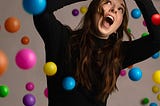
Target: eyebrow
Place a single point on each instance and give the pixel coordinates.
(123, 5)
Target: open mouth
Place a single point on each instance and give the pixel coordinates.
(109, 20)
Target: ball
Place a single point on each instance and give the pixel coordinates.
(25, 40)
(155, 56)
(34, 7)
(30, 86)
(145, 101)
(3, 62)
(83, 9)
(46, 92)
(50, 68)
(4, 91)
(29, 100)
(123, 73)
(75, 12)
(153, 104)
(12, 24)
(144, 34)
(155, 89)
(25, 59)
(155, 19)
(136, 13)
(69, 83)
(135, 74)
(156, 77)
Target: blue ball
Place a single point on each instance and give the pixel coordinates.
(156, 55)
(34, 7)
(136, 13)
(68, 83)
(135, 74)
(153, 104)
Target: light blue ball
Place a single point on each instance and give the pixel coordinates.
(68, 83)
(136, 13)
(156, 55)
(34, 7)
(153, 104)
(135, 74)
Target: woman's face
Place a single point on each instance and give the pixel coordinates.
(111, 17)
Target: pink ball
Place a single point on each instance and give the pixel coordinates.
(29, 86)
(25, 59)
(123, 73)
(46, 92)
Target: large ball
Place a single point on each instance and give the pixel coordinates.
(25, 58)
(156, 19)
(50, 68)
(156, 77)
(3, 62)
(34, 7)
(135, 74)
(136, 13)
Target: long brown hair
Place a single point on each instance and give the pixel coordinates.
(97, 68)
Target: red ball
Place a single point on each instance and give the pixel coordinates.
(156, 19)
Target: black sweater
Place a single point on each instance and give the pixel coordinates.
(55, 36)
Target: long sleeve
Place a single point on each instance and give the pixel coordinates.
(144, 47)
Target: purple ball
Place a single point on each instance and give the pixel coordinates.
(29, 100)
(75, 12)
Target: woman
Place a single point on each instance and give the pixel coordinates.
(95, 53)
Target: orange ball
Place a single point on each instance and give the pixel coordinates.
(12, 24)
(25, 40)
(3, 63)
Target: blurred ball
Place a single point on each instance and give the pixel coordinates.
(25, 40)
(123, 73)
(29, 100)
(135, 74)
(155, 89)
(75, 12)
(136, 13)
(12, 24)
(153, 104)
(68, 83)
(144, 34)
(144, 23)
(34, 7)
(156, 55)
(155, 19)
(156, 77)
(129, 67)
(129, 30)
(145, 101)
(30, 86)
(46, 92)
(25, 59)
(158, 97)
(83, 9)
(4, 91)
(3, 62)
(50, 68)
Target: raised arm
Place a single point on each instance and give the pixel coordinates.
(143, 48)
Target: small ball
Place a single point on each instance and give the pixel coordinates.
(135, 74)
(29, 100)
(50, 68)
(75, 12)
(136, 13)
(34, 7)
(46, 92)
(158, 97)
(145, 101)
(12, 24)
(155, 56)
(155, 19)
(156, 77)
(25, 59)
(155, 89)
(3, 62)
(25, 40)
(30, 86)
(4, 91)
(153, 104)
(69, 83)
(144, 34)
(123, 73)
(83, 9)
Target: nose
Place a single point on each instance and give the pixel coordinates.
(113, 9)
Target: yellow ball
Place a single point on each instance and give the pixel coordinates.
(156, 76)
(83, 9)
(158, 97)
(50, 68)
(155, 89)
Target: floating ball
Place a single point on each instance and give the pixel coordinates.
(3, 62)
(145, 101)
(46, 92)
(12, 24)
(34, 7)
(30, 86)
(136, 13)
(156, 55)
(68, 83)
(75, 12)
(135, 74)
(25, 40)
(83, 9)
(29, 100)
(155, 19)
(155, 89)
(50, 68)
(123, 73)
(25, 59)
(4, 91)
(156, 77)
(153, 104)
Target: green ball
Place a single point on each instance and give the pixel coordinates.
(144, 34)
(4, 91)
(145, 101)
